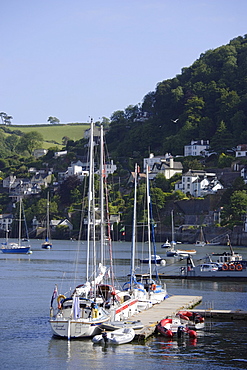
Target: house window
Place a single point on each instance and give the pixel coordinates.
(188, 186)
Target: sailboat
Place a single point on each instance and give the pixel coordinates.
(175, 252)
(47, 244)
(79, 315)
(134, 287)
(201, 241)
(19, 248)
(156, 292)
(94, 302)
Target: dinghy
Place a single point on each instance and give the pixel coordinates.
(119, 336)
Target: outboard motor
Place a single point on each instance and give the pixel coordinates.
(180, 332)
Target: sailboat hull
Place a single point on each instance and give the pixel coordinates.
(16, 250)
(46, 245)
(75, 328)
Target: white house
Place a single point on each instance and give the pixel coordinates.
(198, 183)
(55, 223)
(39, 152)
(152, 160)
(241, 150)
(199, 147)
(109, 168)
(60, 154)
(168, 167)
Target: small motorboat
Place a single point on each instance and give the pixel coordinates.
(155, 259)
(171, 327)
(180, 252)
(119, 336)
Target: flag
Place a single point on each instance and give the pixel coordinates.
(54, 295)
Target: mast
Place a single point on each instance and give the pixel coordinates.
(19, 231)
(90, 198)
(133, 245)
(153, 235)
(102, 175)
(172, 241)
(47, 217)
(149, 229)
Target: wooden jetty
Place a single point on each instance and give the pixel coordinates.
(223, 314)
(167, 308)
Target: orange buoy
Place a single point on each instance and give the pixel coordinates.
(239, 267)
(224, 267)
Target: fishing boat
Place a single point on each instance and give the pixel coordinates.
(120, 336)
(17, 248)
(47, 244)
(226, 265)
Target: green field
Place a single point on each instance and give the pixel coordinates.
(53, 134)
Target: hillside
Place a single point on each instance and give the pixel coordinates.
(208, 101)
(52, 134)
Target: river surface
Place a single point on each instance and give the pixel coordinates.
(26, 341)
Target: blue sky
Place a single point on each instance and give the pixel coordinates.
(76, 59)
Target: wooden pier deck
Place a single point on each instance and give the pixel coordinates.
(168, 307)
(223, 314)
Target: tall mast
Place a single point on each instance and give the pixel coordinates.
(19, 234)
(102, 216)
(133, 246)
(149, 229)
(90, 198)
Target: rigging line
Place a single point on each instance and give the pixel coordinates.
(153, 237)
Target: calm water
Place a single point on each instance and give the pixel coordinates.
(26, 342)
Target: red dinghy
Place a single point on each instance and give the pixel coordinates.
(193, 319)
(174, 327)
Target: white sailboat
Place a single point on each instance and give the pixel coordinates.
(47, 244)
(134, 287)
(96, 301)
(155, 291)
(79, 315)
(201, 241)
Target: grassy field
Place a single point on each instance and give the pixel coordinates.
(53, 134)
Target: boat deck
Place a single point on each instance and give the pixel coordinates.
(169, 307)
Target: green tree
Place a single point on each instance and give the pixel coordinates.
(11, 142)
(30, 141)
(53, 120)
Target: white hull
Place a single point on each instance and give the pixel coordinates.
(218, 274)
(75, 328)
(125, 310)
(120, 336)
